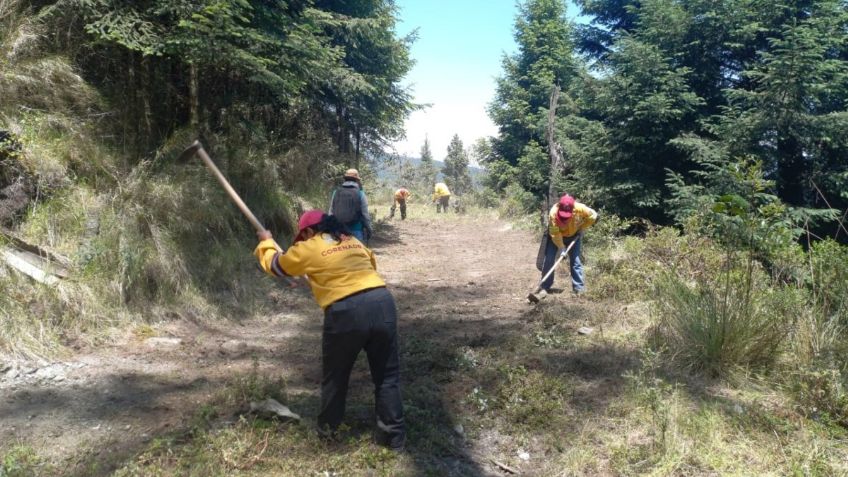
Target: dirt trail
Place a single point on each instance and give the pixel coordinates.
(450, 275)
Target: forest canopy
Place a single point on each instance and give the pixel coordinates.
(656, 91)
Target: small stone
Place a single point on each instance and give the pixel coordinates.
(585, 330)
(523, 455)
(459, 429)
(59, 378)
(273, 408)
(164, 342)
(46, 373)
(12, 373)
(233, 346)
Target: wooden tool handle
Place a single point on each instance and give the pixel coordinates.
(227, 187)
(197, 148)
(556, 264)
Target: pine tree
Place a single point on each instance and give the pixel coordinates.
(426, 168)
(544, 61)
(455, 169)
(794, 114)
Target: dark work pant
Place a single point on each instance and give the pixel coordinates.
(402, 204)
(366, 320)
(442, 202)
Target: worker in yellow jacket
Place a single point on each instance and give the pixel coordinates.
(359, 312)
(441, 197)
(567, 221)
(400, 201)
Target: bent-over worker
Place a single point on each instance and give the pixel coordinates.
(359, 312)
(400, 201)
(441, 196)
(567, 221)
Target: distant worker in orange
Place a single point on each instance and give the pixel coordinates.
(441, 197)
(400, 200)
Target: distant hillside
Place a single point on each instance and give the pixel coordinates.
(388, 169)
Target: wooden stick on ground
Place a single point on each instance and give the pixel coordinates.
(505, 467)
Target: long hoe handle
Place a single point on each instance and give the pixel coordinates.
(556, 264)
(197, 148)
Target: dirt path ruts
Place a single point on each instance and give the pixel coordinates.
(99, 407)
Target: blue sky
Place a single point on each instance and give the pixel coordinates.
(458, 53)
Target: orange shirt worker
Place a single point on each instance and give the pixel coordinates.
(400, 201)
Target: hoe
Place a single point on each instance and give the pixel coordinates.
(538, 294)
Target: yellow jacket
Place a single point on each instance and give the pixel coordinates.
(441, 190)
(583, 218)
(335, 270)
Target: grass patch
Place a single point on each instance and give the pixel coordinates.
(23, 461)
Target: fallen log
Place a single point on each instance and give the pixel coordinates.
(33, 261)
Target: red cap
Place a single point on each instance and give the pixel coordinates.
(308, 219)
(566, 208)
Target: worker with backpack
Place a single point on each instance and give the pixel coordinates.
(350, 207)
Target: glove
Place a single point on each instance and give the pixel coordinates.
(564, 252)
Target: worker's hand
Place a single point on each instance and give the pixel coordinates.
(564, 252)
(264, 235)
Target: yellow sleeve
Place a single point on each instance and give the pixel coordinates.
(553, 229)
(266, 252)
(273, 262)
(556, 235)
(590, 217)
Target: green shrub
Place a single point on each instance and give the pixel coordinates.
(718, 326)
(530, 398)
(517, 202)
(821, 391)
(829, 279)
(818, 367)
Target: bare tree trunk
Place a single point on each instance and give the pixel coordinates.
(130, 125)
(356, 154)
(145, 102)
(193, 98)
(554, 150)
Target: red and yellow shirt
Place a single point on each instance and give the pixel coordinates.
(334, 269)
(583, 218)
(402, 194)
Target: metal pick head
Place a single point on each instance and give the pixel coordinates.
(189, 152)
